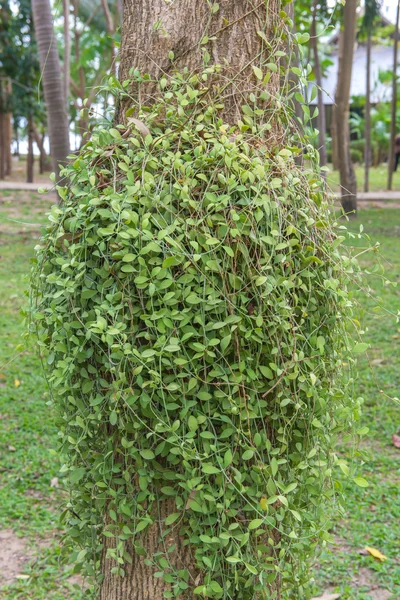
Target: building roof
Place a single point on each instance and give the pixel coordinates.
(381, 60)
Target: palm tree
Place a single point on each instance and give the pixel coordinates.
(52, 83)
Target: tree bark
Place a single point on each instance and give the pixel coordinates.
(367, 157)
(2, 132)
(394, 102)
(237, 47)
(186, 25)
(347, 38)
(321, 120)
(39, 139)
(52, 84)
(30, 159)
(67, 54)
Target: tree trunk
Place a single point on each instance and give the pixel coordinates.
(67, 53)
(321, 120)
(367, 157)
(2, 132)
(31, 158)
(348, 181)
(39, 139)
(111, 32)
(394, 102)
(52, 84)
(188, 27)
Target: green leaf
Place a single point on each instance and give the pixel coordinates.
(210, 469)
(360, 347)
(172, 518)
(258, 73)
(113, 417)
(147, 454)
(77, 474)
(255, 524)
(128, 257)
(361, 482)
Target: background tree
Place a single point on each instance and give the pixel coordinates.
(371, 13)
(52, 83)
(19, 64)
(341, 113)
(394, 101)
(321, 120)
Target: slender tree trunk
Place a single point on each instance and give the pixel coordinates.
(321, 120)
(335, 159)
(39, 139)
(111, 31)
(7, 129)
(394, 102)
(67, 53)
(367, 158)
(233, 42)
(2, 132)
(30, 158)
(52, 84)
(348, 181)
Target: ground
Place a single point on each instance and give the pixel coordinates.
(32, 562)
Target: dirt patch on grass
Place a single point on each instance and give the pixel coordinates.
(13, 556)
(365, 578)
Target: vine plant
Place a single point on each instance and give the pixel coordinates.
(190, 298)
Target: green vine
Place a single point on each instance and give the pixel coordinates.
(190, 296)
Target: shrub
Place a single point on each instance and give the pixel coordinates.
(190, 294)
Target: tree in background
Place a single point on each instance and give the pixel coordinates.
(371, 13)
(19, 65)
(52, 83)
(394, 101)
(341, 113)
(321, 120)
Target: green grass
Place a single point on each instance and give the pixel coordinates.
(372, 515)
(31, 507)
(377, 179)
(28, 504)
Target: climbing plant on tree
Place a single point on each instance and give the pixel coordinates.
(190, 294)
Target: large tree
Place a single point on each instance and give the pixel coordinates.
(194, 310)
(52, 83)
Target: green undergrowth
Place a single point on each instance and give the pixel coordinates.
(372, 515)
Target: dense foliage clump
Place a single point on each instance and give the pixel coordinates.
(190, 294)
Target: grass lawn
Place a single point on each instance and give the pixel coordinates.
(32, 563)
(377, 179)
(372, 515)
(37, 568)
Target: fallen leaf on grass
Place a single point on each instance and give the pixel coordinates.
(396, 440)
(327, 597)
(54, 482)
(22, 577)
(17, 382)
(12, 449)
(373, 552)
